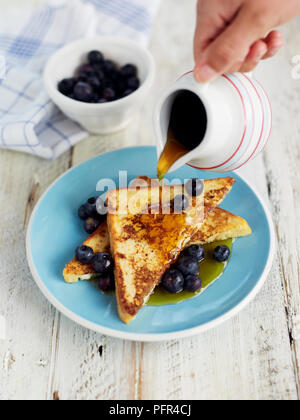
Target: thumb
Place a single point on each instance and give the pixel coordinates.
(230, 47)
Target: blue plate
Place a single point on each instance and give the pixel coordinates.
(55, 231)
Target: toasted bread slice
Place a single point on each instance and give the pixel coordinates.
(145, 246)
(99, 242)
(215, 190)
(220, 225)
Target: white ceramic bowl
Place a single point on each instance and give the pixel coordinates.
(108, 117)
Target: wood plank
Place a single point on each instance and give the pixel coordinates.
(282, 162)
(25, 354)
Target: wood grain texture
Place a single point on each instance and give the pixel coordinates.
(253, 356)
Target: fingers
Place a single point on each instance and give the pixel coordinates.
(274, 42)
(260, 50)
(231, 47)
(257, 52)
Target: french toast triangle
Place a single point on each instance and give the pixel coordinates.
(145, 239)
(220, 225)
(99, 242)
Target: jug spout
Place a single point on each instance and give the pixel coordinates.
(229, 128)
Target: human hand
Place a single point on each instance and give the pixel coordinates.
(231, 34)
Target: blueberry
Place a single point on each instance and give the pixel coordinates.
(129, 70)
(108, 83)
(84, 254)
(128, 92)
(187, 265)
(120, 86)
(99, 73)
(85, 71)
(194, 187)
(95, 57)
(94, 82)
(106, 282)
(179, 203)
(109, 66)
(109, 94)
(71, 96)
(173, 281)
(192, 283)
(222, 253)
(83, 92)
(102, 263)
(82, 212)
(101, 207)
(66, 86)
(102, 101)
(91, 225)
(114, 76)
(133, 83)
(95, 98)
(195, 251)
(91, 206)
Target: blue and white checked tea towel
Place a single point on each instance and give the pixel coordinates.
(29, 121)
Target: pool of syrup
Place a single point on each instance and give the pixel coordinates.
(209, 271)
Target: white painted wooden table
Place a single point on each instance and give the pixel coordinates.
(256, 355)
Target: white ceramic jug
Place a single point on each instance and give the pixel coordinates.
(239, 121)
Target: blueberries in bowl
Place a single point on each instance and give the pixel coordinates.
(128, 92)
(100, 80)
(109, 67)
(128, 71)
(109, 94)
(85, 71)
(84, 254)
(133, 83)
(222, 253)
(95, 57)
(173, 281)
(66, 86)
(83, 92)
